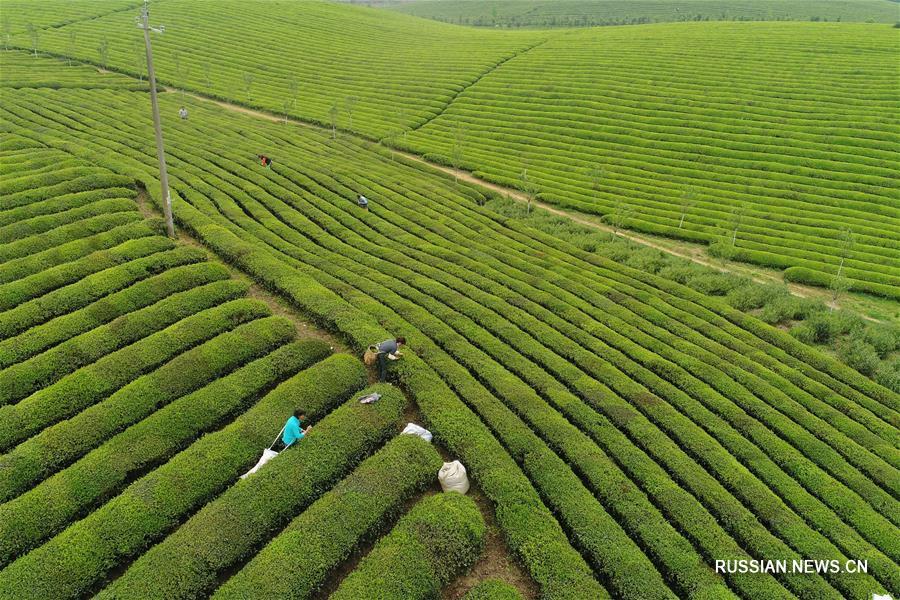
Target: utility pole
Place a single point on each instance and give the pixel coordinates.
(144, 23)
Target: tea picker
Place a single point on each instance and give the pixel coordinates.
(286, 437)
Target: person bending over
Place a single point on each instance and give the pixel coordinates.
(388, 350)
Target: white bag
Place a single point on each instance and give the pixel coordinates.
(453, 477)
(413, 429)
(266, 457)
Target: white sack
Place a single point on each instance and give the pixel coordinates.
(453, 477)
(266, 457)
(413, 429)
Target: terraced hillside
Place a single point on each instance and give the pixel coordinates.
(780, 153)
(772, 153)
(22, 70)
(591, 13)
(137, 382)
(24, 16)
(627, 430)
(377, 75)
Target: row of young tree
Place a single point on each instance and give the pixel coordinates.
(623, 212)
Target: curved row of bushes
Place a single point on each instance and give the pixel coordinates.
(44, 223)
(77, 560)
(226, 532)
(334, 526)
(57, 502)
(142, 294)
(68, 181)
(52, 278)
(79, 246)
(59, 203)
(92, 383)
(563, 356)
(84, 291)
(57, 446)
(439, 537)
(40, 371)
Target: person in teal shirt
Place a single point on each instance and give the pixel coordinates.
(293, 431)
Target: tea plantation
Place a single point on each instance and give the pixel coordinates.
(622, 431)
(592, 13)
(773, 154)
(780, 153)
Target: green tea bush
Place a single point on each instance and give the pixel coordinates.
(858, 354)
(40, 371)
(140, 295)
(62, 203)
(38, 284)
(440, 536)
(100, 474)
(680, 272)
(820, 328)
(330, 530)
(228, 530)
(44, 241)
(888, 373)
(715, 284)
(84, 553)
(492, 589)
(94, 382)
(66, 252)
(44, 223)
(754, 295)
(884, 337)
(790, 308)
(88, 289)
(59, 445)
(648, 260)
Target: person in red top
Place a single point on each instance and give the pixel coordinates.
(265, 160)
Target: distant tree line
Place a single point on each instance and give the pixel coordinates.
(587, 21)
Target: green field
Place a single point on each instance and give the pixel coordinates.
(589, 400)
(768, 153)
(378, 74)
(775, 154)
(24, 16)
(130, 363)
(592, 13)
(626, 419)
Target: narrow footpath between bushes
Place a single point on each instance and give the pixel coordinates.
(692, 252)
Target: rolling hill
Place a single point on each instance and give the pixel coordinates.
(626, 429)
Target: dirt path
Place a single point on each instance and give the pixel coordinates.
(694, 254)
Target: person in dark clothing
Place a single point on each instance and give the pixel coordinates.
(388, 350)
